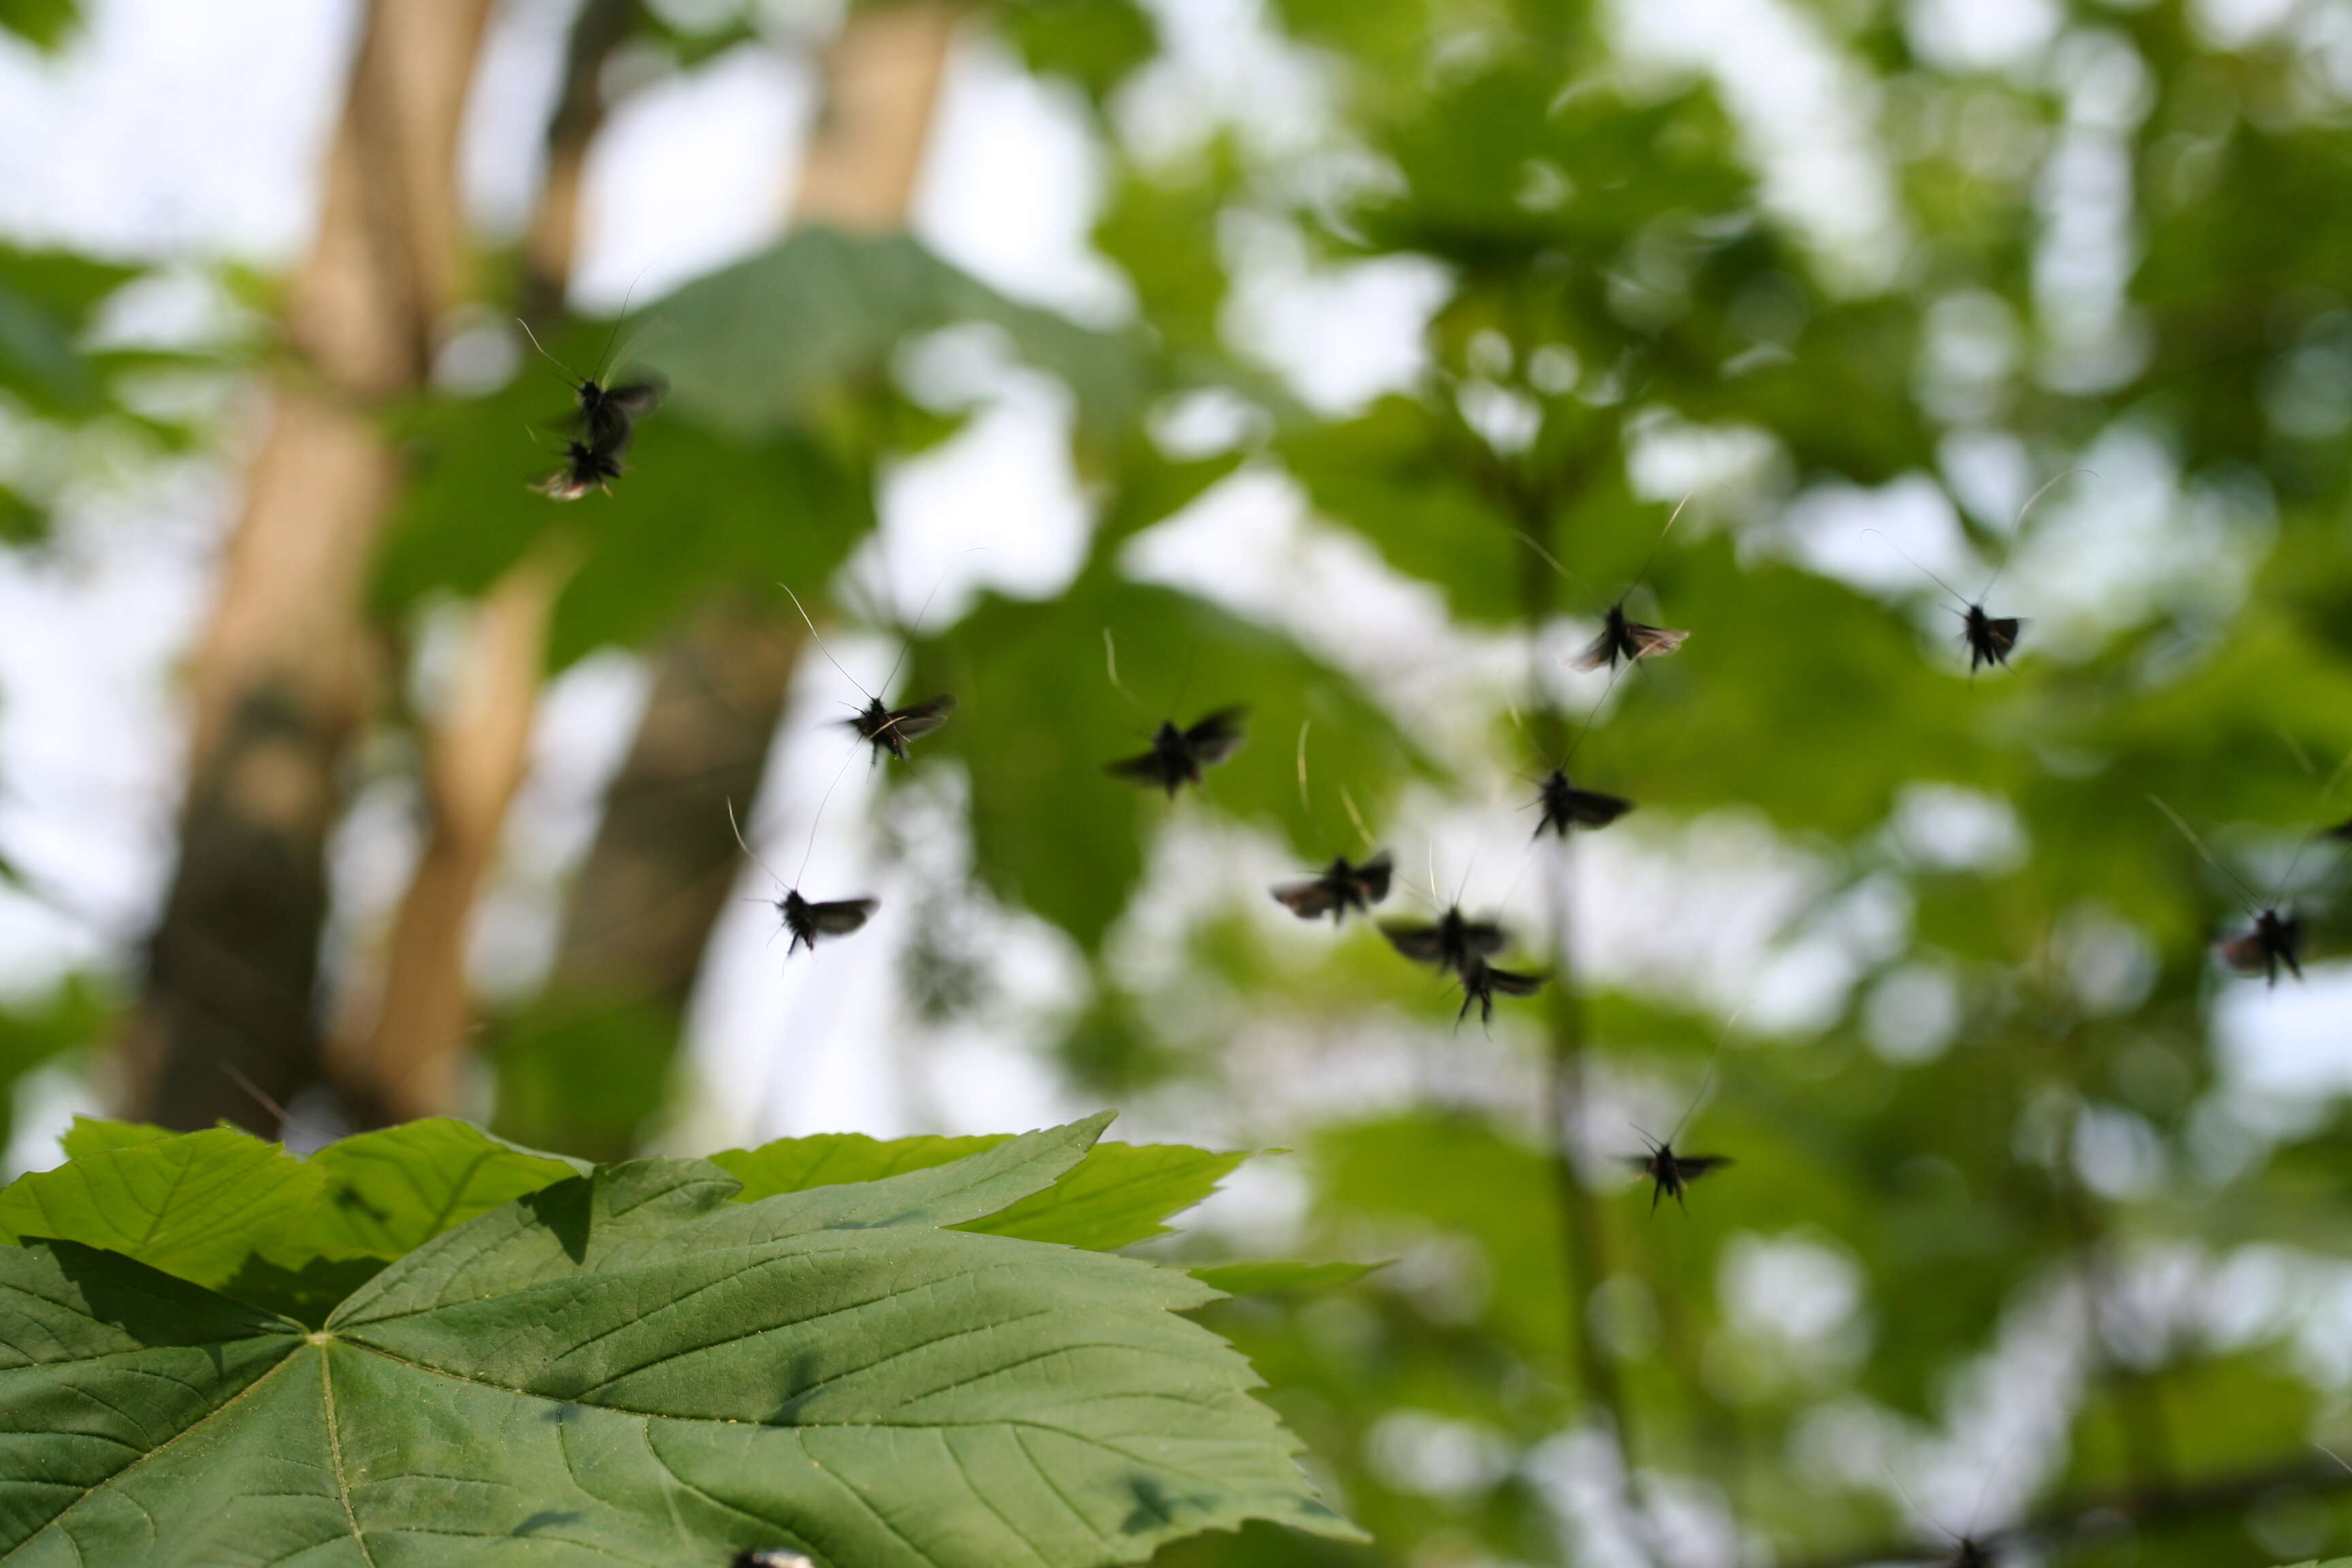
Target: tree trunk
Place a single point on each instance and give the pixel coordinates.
(278, 678)
(655, 881)
(406, 1061)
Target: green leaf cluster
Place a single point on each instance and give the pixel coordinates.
(913, 1353)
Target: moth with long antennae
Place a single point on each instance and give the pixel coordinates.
(808, 920)
(885, 728)
(1566, 805)
(1626, 640)
(1990, 638)
(1670, 1173)
(1342, 885)
(2276, 937)
(607, 413)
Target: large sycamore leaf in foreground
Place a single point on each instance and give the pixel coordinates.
(632, 1368)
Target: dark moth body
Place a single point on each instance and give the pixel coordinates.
(1990, 638)
(609, 414)
(811, 923)
(1177, 756)
(1566, 807)
(1341, 886)
(888, 730)
(1482, 983)
(587, 467)
(1628, 640)
(1672, 1173)
(2276, 939)
(1454, 943)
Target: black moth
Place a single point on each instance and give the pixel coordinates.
(888, 730)
(1340, 888)
(587, 467)
(1454, 943)
(608, 414)
(811, 923)
(1566, 807)
(1482, 983)
(2277, 936)
(2276, 939)
(1177, 756)
(1989, 637)
(1672, 1172)
(1628, 640)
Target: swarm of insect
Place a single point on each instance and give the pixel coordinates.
(1341, 886)
(1565, 805)
(1454, 943)
(1482, 983)
(1178, 756)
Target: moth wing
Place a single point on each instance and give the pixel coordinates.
(1600, 650)
(1645, 1164)
(1513, 983)
(1417, 943)
(1145, 769)
(1651, 642)
(638, 398)
(1307, 900)
(1593, 809)
(564, 484)
(842, 916)
(1373, 876)
(1483, 937)
(1693, 1167)
(2246, 955)
(1216, 737)
(919, 718)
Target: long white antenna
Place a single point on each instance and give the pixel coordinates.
(1110, 665)
(853, 680)
(2198, 845)
(815, 821)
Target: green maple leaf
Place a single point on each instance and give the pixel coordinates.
(631, 1367)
